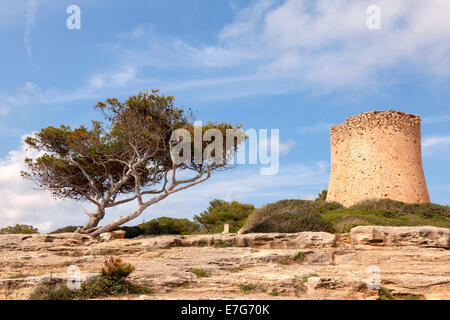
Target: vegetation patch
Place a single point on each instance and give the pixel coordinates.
(247, 288)
(300, 256)
(166, 225)
(220, 212)
(19, 229)
(289, 216)
(225, 244)
(200, 273)
(274, 293)
(111, 282)
(68, 229)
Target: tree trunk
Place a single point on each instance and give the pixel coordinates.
(118, 222)
(94, 219)
(124, 219)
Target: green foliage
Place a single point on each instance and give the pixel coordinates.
(246, 288)
(385, 294)
(68, 229)
(111, 282)
(322, 196)
(300, 256)
(99, 287)
(200, 273)
(124, 157)
(114, 268)
(289, 216)
(166, 225)
(52, 292)
(19, 229)
(220, 212)
(319, 215)
(389, 213)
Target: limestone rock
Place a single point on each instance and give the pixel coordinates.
(119, 234)
(105, 236)
(401, 236)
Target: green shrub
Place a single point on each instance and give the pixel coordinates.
(319, 215)
(200, 273)
(68, 229)
(289, 216)
(114, 268)
(388, 213)
(246, 288)
(111, 282)
(300, 256)
(19, 229)
(166, 225)
(52, 292)
(322, 196)
(220, 212)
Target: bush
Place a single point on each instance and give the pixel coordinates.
(319, 215)
(19, 229)
(68, 229)
(220, 212)
(289, 216)
(166, 225)
(153, 227)
(111, 282)
(389, 213)
(114, 268)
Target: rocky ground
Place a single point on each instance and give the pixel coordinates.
(413, 262)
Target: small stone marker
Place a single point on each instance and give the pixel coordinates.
(226, 228)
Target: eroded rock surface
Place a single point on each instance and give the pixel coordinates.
(309, 265)
(401, 236)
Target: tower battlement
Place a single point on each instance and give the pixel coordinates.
(377, 155)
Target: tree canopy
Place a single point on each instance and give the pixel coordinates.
(220, 212)
(127, 157)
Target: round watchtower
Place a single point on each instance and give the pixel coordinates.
(377, 155)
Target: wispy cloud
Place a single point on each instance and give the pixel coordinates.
(435, 143)
(30, 16)
(273, 47)
(436, 119)
(315, 128)
(4, 110)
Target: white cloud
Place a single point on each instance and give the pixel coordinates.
(274, 47)
(4, 110)
(21, 202)
(315, 128)
(30, 17)
(321, 45)
(113, 79)
(436, 119)
(435, 143)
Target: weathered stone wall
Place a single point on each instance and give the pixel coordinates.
(377, 155)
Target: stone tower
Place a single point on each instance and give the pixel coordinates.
(377, 155)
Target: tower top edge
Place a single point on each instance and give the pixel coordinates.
(378, 119)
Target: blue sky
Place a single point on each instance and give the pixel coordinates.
(298, 66)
